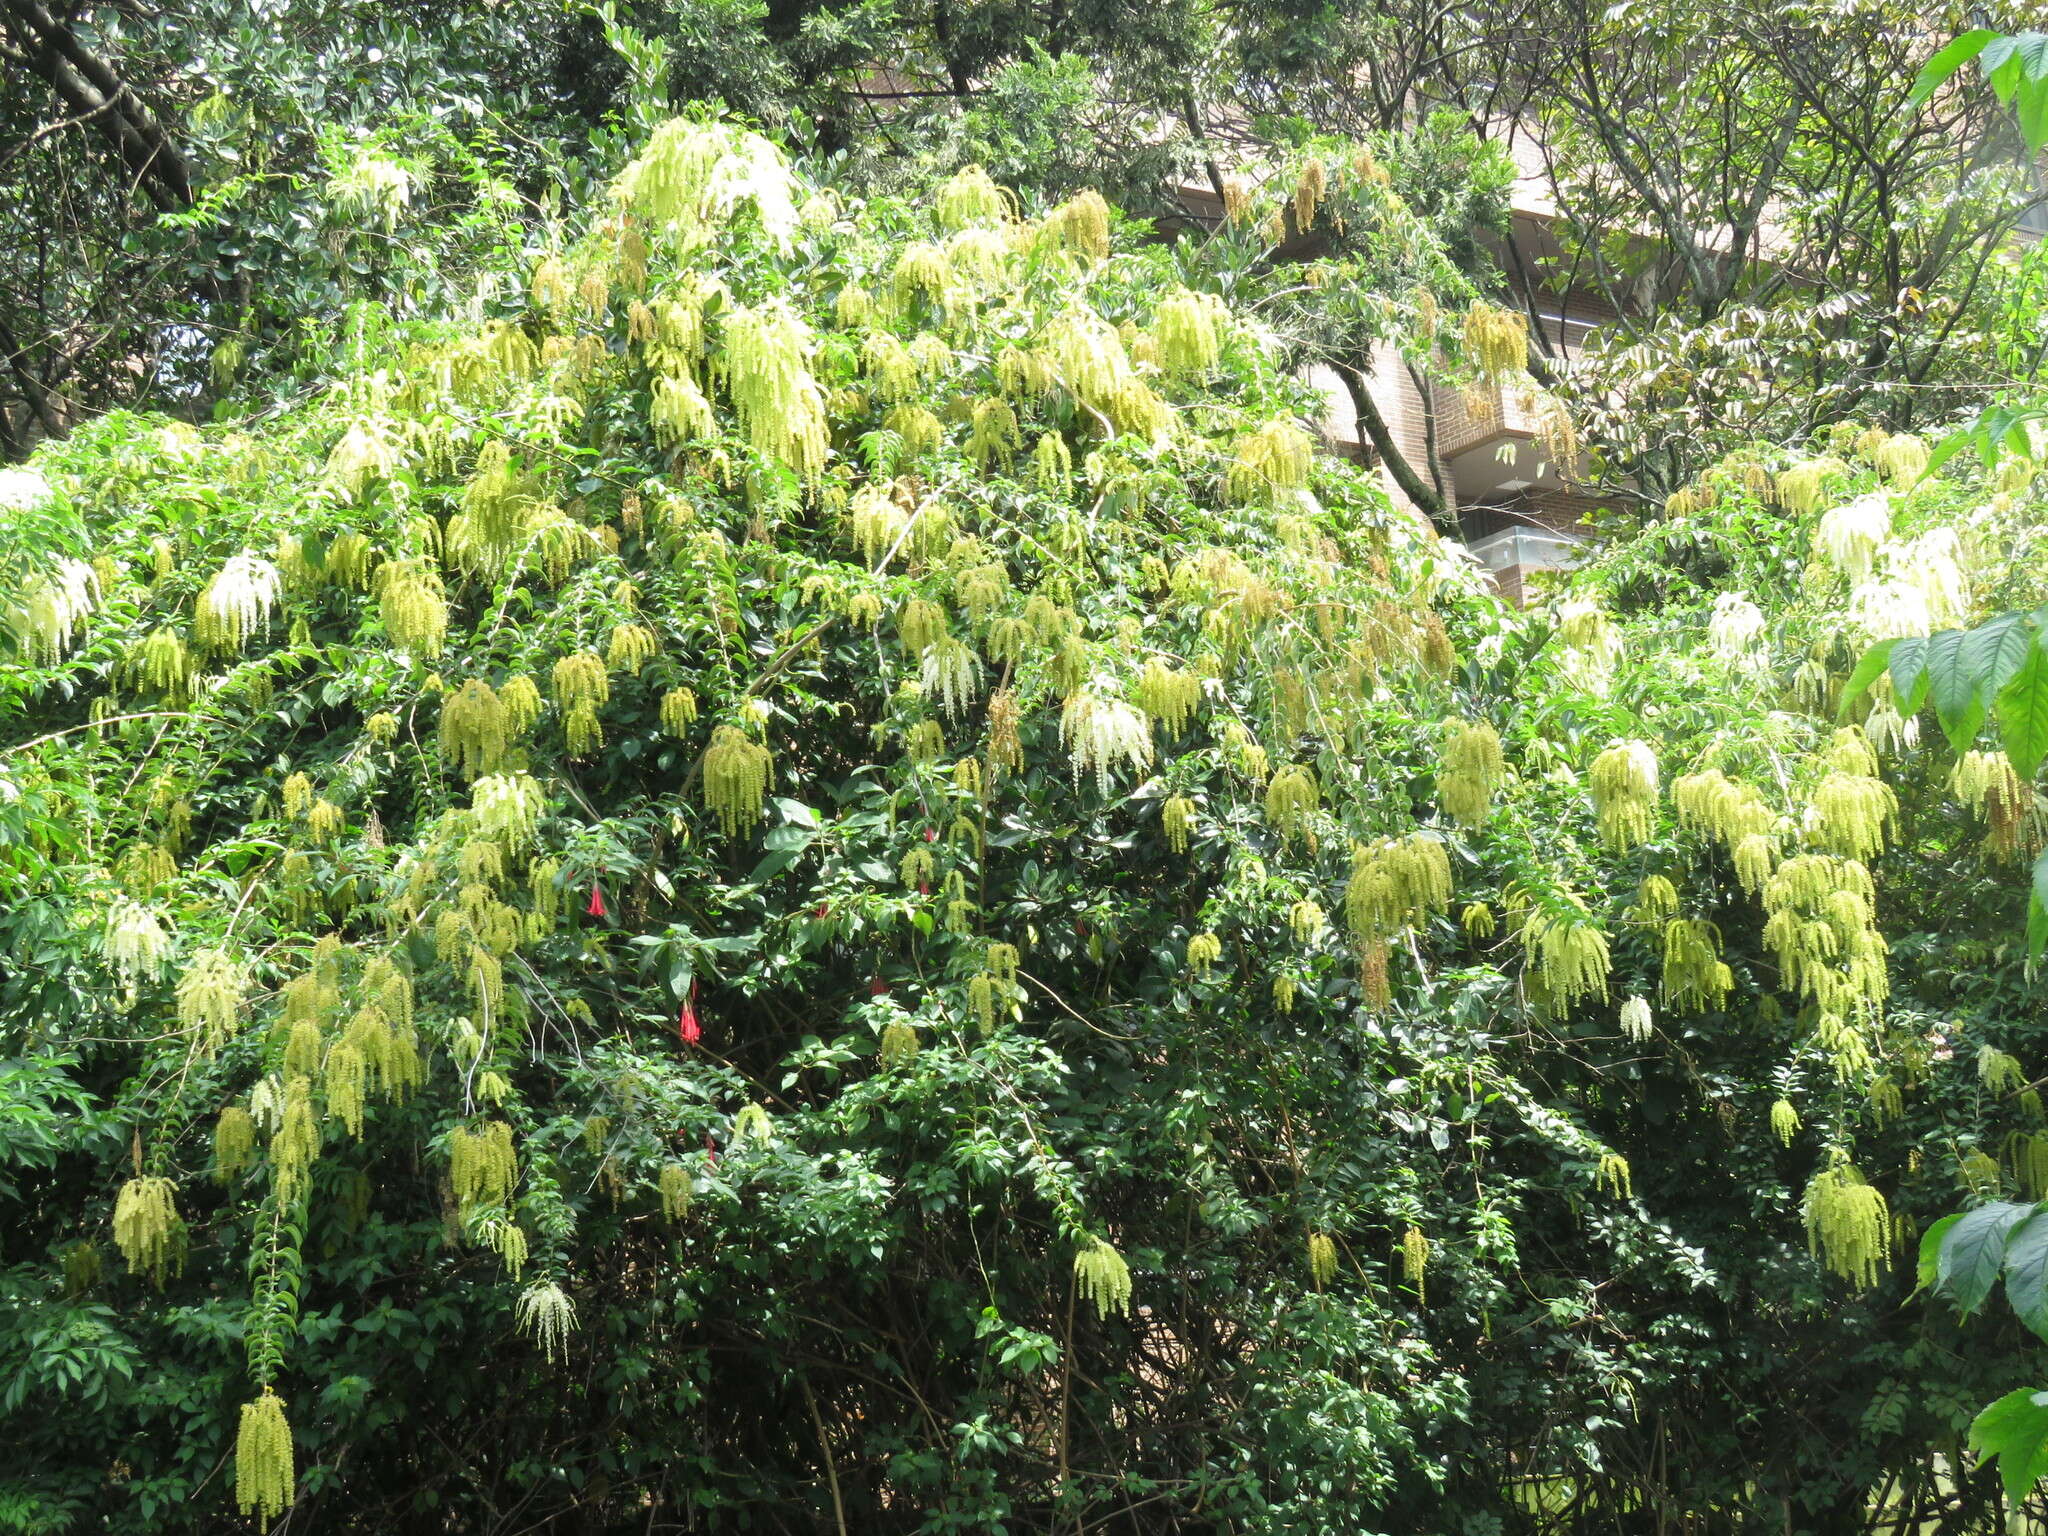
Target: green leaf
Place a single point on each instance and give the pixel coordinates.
(2023, 710)
(1953, 690)
(1909, 673)
(2037, 917)
(1874, 661)
(1945, 63)
(2014, 1432)
(2026, 1271)
(1973, 1251)
(1930, 1251)
(1993, 651)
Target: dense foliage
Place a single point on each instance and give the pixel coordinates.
(807, 871)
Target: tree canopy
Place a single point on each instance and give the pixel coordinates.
(803, 868)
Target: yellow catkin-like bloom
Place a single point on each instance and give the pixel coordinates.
(344, 1078)
(236, 604)
(1612, 1175)
(1309, 188)
(1496, 342)
(297, 1142)
(482, 1165)
(1477, 920)
(1395, 883)
(677, 1192)
(1080, 224)
(1306, 920)
(994, 436)
(1471, 769)
(473, 728)
(581, 679)
(1292, 801)
(414, 606)
(1285, 988)
(1204, 950)
(264, 1480)
(148, 1229)
(1188, 328)
(1850, 815)
(765, 363)
(1724, 808)
(752, 1124)
(1273, 460)
(630, 648)
(736, 774)
(1624, 786)
(1415, 1250)
(678, 711)
(1168, 695)
(210, 997)
(1052, 463)
(1176, 820)
(1848, 1225)
(582, 731)
(1103, 1279)
(234, 1143)
(1567, 952)
(162, 663)
(898, 1046)
(1802, 487)
(1999, 1071)
(1784, 1121)
(1694, 975)
(520, 699)
(508, 808)
(969, 196)
(1322, 1259)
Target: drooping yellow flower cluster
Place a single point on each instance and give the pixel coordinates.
(736, 774)
(1395, 883)
(1322, 1260)
(264, 1480)
(1274, 459)
(1848, 1224)
(474, 730)
(482, 1165)
(1695, 976)
(1471, 770)
(148, 1229)
(1103, 1278)
(1624, 785)
(1567, 953)
(1292, 801)
(1415, 1250)
(1822, 928)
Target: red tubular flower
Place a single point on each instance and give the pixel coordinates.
(687, 1025)
(878, 988)
(710, 1150)
(597, 907)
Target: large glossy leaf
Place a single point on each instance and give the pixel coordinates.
(2026, 1271)
(1930, 1252)
(1993, 651)
(1868, 670)
(2023, 710)
(1973, 1253)
(1937, 70)
(1909, 673)
(2014, 1432)
(1952, 690)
